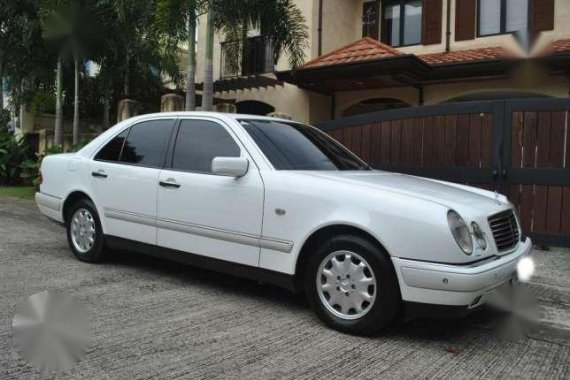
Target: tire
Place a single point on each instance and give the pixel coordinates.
(83, 215)
(373, 285)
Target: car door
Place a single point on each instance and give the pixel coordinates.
(124, 175)
(203, 213)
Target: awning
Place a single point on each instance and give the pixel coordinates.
(368, 63)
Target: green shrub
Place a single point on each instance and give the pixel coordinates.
(4, 118)
(13, 151)
(30, 169)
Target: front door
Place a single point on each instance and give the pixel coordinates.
(203, 213)
(125, 175)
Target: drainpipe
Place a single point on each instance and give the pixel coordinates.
(448, 27)
(320, 29)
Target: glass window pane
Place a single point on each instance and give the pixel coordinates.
(291, 146)
(489, 17)
(391, 24)
(413, 22)
(370, 19)
(147, 143)
(112, 150)
(199, 142)
(517, 15)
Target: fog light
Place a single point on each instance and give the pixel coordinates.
(525, 268)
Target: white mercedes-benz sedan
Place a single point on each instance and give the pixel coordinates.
(283, 203)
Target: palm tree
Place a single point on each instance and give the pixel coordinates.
(177, 19)
(68, 23)
(281, 21)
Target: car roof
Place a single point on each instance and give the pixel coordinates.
(235, 116)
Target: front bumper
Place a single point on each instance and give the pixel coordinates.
(456, 285)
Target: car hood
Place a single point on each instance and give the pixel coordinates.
(459, 197)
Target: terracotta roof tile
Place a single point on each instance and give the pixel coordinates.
(557, 47)
(365, 49)
(465, 56)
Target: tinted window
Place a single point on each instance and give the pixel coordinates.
(291, 146)
(147, 143)
(112, 150)
(198, 142)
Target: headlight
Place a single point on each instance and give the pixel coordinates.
(479, 236)
(460, 232)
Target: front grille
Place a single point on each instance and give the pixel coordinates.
(505, 230)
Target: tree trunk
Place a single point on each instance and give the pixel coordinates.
(76, 102)
(106, 113)
(208, 87)
(127, 83)
(58, 131)
(191, 74)
(1, 84)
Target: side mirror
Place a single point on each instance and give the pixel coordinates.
(230, 166)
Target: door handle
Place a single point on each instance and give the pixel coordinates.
(99, 174)
(169, 184)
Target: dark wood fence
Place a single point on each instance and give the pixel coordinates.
(520, 148)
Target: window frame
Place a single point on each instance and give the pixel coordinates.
(503, 22)
(169, 159)
(402, 7)
(163, 154)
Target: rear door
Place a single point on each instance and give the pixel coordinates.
(203, 213)
(125, 174)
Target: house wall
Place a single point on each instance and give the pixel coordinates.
(342, 25)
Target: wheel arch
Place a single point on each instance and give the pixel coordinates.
(71, 199)
(324, 233)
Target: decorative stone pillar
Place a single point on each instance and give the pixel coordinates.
(127, 108)
(280, 115)
(171, 102)
(225, 107)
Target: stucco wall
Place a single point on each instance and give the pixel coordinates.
(342, 25)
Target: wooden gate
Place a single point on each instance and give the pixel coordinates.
(520, 148)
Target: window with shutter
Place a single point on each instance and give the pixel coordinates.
(402, 22)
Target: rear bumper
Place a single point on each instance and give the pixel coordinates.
(456, 285)
(50, 206)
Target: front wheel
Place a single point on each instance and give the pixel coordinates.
(351, 285)
(84, 232)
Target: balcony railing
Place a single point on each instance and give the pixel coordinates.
(256, 57)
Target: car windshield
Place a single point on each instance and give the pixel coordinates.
(293, 146)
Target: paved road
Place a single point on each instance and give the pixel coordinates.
(154, 319)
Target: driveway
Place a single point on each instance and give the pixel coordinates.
(155, 319)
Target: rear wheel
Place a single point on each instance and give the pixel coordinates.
(351, 285)
(84, 232)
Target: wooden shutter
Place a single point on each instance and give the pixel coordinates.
(542, 15)
(465, 19)
(432, 21)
